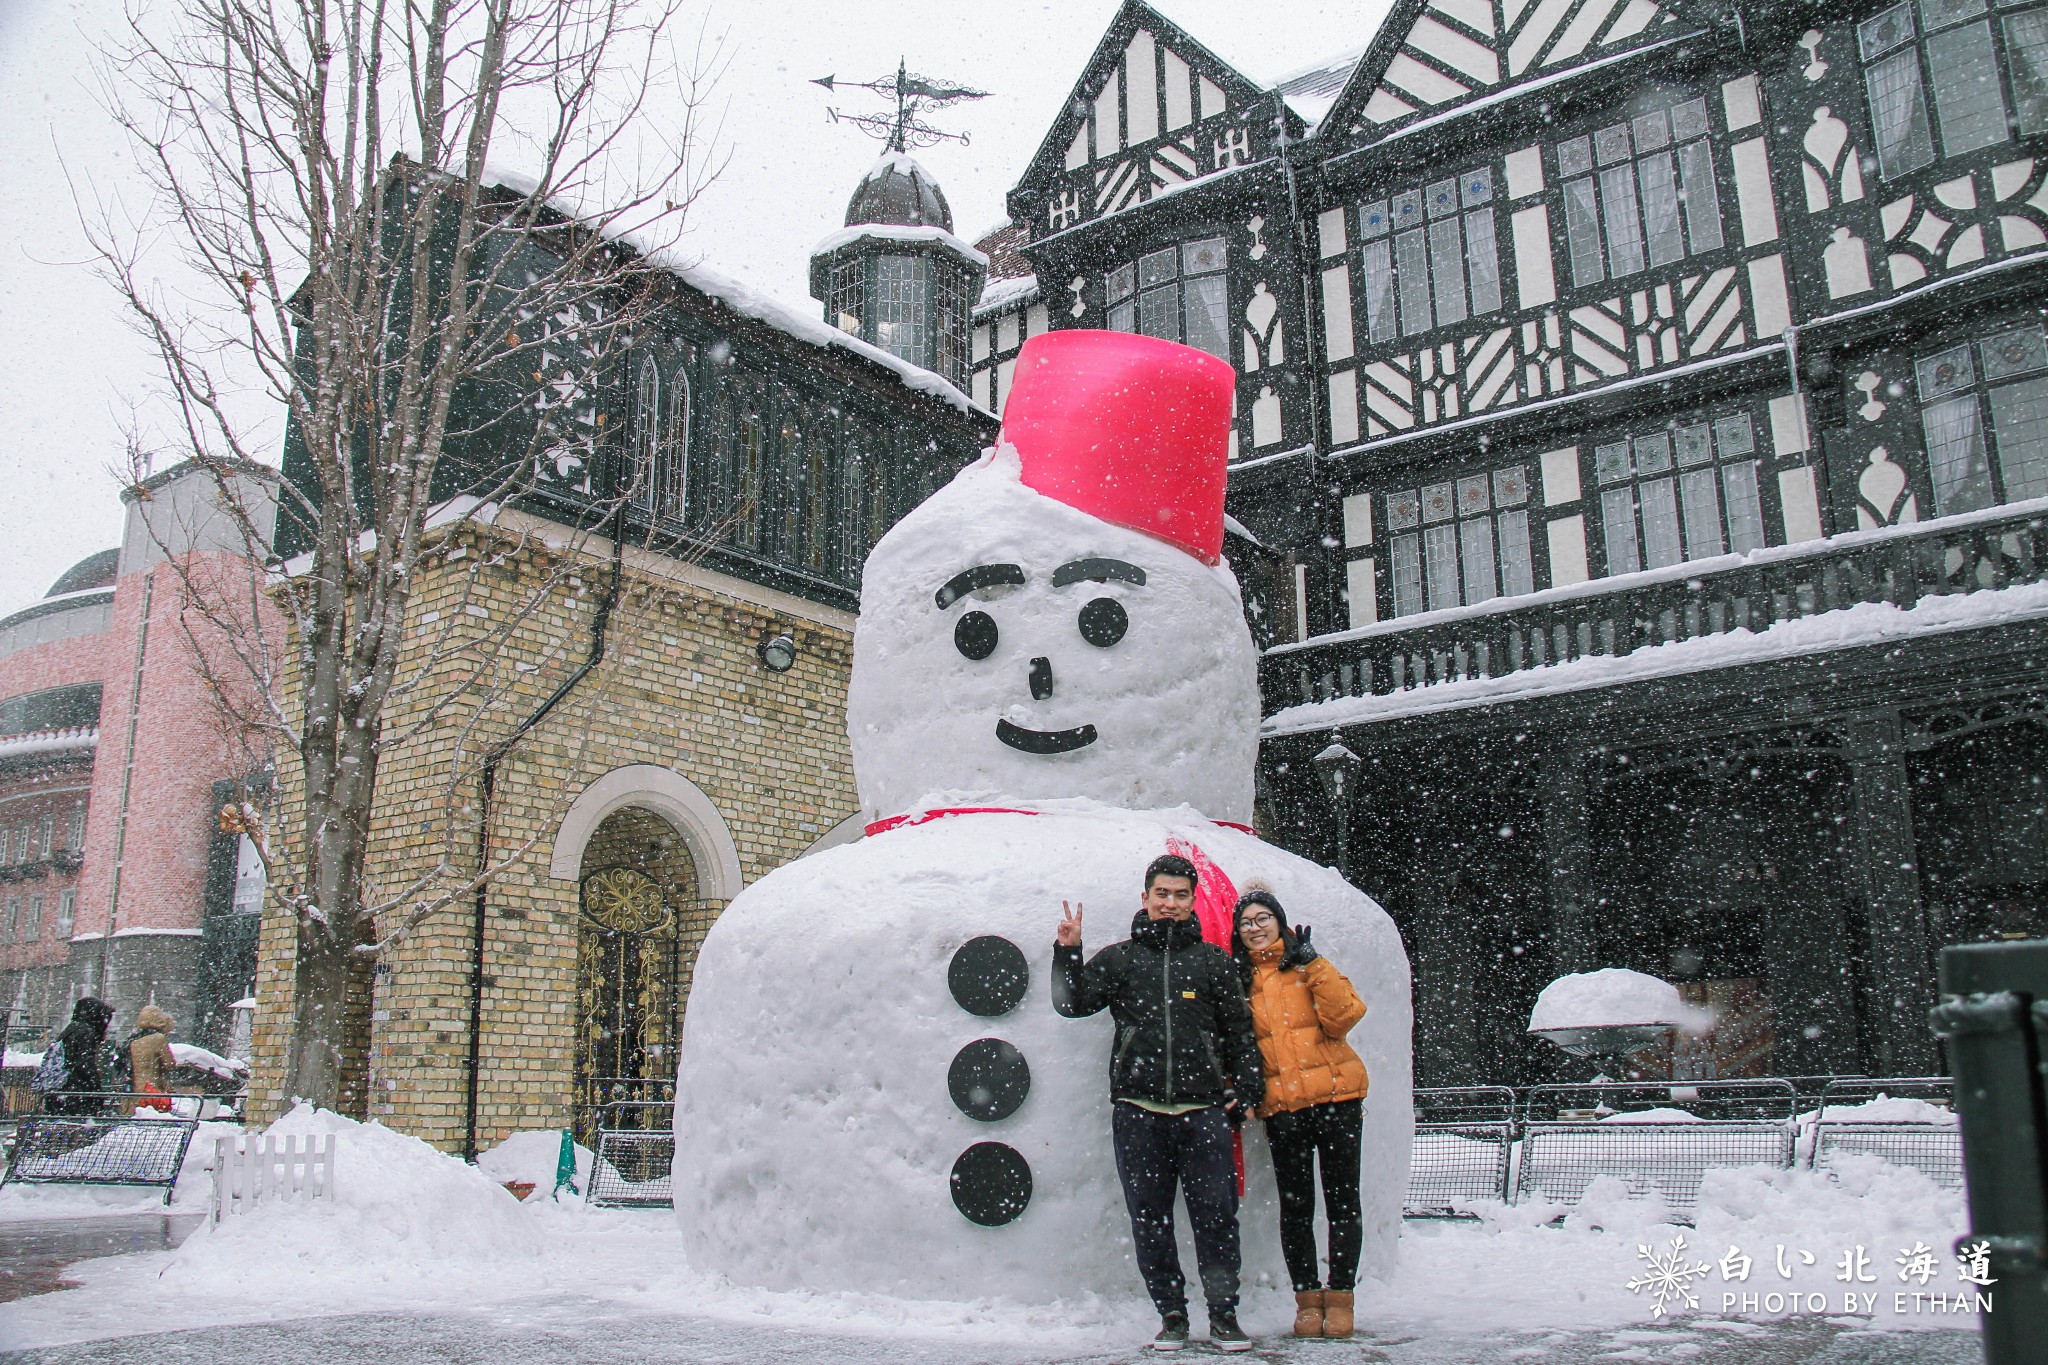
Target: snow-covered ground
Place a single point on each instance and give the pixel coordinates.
(413, 1232)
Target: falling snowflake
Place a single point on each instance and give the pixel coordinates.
(1669, 1278)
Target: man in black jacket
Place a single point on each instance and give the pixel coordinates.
(1182, 1062)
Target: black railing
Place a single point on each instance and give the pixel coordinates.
(1615, 617)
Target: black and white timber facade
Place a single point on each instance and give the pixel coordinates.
(1641, 463)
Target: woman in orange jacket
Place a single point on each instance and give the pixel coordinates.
(1314, 1104)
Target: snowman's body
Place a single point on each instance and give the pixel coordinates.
(1042, 753)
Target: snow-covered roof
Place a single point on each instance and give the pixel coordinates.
(75, 740)
(1311, 91)
(890, 232)
(740, 298)
(998, 294)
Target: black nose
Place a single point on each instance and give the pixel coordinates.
(1041, 679)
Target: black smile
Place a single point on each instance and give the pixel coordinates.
(1045, 741)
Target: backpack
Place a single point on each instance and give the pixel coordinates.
(50, 1074)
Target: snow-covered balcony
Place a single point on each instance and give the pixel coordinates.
(1861, 588)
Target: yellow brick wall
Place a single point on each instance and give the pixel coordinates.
(680, 687)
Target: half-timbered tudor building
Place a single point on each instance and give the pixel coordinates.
(1641, 452)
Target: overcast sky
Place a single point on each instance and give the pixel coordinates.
(70, 370)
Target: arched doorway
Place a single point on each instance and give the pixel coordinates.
(636, 886)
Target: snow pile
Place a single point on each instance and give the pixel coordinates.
(1651, 1116)
(14, 1060)
(1611, 997)
(186, 1054)
(532, 1156)
(401, 1212)
(1174, 702)
(1517, 1271)
(1885, 1109)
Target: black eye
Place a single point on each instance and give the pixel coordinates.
(975, 635)
(1103, 622)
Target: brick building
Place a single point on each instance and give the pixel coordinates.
(706, 745)
(114, 760)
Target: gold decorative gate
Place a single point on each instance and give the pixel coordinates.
(637, 880)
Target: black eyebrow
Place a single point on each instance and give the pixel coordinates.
(980, 576)
(1099, 570)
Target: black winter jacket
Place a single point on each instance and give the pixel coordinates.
(1183, 1030)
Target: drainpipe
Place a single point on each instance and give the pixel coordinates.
(127, 784)
(591, 659)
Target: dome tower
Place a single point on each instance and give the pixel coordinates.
(896, 275)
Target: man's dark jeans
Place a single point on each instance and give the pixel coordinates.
(1155, 1154)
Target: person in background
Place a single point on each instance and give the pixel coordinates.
(1181, 1055)
(1314, 1102)
(82, 1092)
(149, 1052)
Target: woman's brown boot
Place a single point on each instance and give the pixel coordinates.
(1308, 1312)
(1336, 1313)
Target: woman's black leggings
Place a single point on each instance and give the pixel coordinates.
(1331, 1131)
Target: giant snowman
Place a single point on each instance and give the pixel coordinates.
(1052, 685)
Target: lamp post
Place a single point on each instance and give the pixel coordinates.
(1338, 769)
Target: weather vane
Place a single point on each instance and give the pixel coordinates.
(913, 95)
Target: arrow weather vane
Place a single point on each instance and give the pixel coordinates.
(913, 95)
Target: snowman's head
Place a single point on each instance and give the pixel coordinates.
(1014, 647)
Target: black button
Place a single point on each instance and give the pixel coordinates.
(989, 976)
(991, 1184)
(988, 1079)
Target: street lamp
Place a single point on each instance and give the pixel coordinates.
(1338, 769)
(778, 654)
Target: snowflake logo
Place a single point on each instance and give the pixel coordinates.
(1669, 1278)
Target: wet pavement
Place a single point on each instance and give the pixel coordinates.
(573, 1331)
(34, 1254)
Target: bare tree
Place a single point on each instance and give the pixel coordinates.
(445, 340)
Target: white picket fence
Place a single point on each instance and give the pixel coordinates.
(250, 1170)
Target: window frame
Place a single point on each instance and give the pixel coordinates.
(1126, 291)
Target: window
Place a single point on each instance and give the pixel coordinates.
(1179, 293)
(1461, 541)
(24, 835)
(902, 297)
(1687, 491)
(2003, 371)
(32, 919)
(1951, 49)
(8, 916)
(74, 837)
(1429, 257)
(67, 912)
(46, 836)
(1640, 193)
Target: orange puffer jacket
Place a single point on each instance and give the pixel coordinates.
(1300, 1016)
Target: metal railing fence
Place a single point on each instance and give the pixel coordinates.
(636, 1145)
(1550, 1143)
(1921, 1132)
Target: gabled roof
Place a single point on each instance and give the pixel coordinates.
(1312, 91)
(1147, 80)
(1432, 55)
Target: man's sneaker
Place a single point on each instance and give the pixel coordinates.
(1173, 1332)
(1228, 1336)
